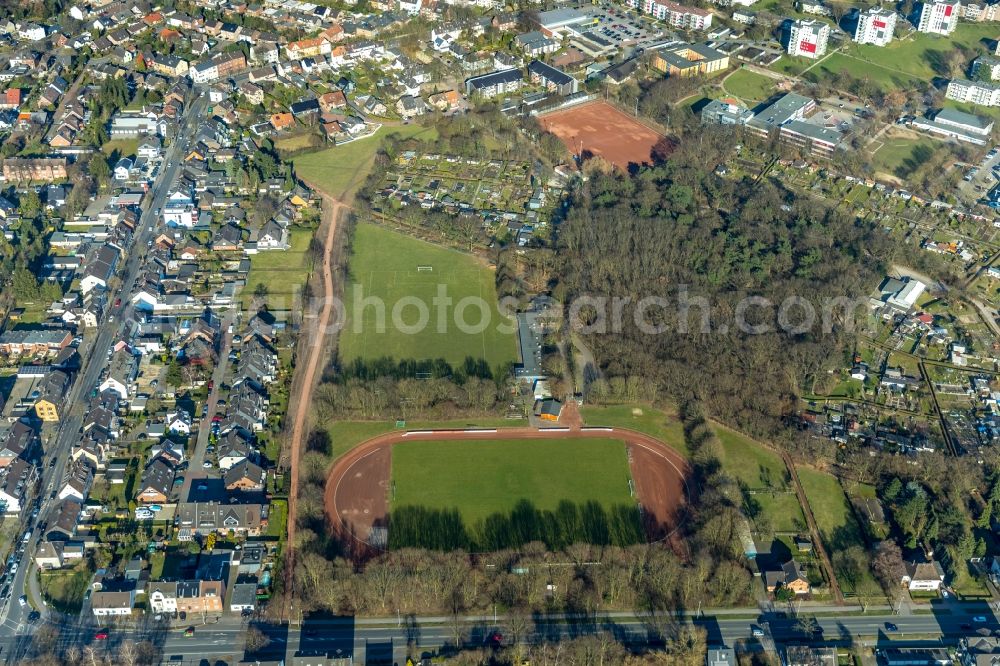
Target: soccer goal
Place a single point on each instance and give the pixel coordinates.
(425, 269)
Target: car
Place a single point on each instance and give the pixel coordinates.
(494, 639)
(189, 632)
(207, 465)
(118, 302)
(979, 619)
(23, 600)
(101, 635)
(13, 569)
(889, 626)
(34, 616)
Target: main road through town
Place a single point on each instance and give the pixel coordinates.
(94, 355)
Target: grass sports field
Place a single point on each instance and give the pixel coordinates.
(392, 266)
(485, 477)
(899, 155)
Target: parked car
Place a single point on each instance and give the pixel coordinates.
(101, 635)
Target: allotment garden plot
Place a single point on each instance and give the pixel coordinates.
(495, 190)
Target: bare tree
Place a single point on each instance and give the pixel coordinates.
(128, 655)
(256, 640)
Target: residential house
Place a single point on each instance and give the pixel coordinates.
(112, 604)
(51, 392)
(245, 476)
(157, 482)
(790, 576)
(202, 518)
(16, 481)
(927, 576)
(77, 480)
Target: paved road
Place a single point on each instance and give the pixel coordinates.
(197, 457)
(388, 637)
(94, 351)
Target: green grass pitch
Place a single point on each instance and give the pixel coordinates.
(385, 265)
(489, 476)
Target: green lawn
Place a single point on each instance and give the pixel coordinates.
(782, 509)
(340, 170)
(791, 65)
(64, 590)
(923, 55)
(283, 272)
(485, 477)
(753, 466)
(749, 86)
(661, 425)
(384, 265)
(882, 77)
(125, 147)
(835, 520)
(277, 519)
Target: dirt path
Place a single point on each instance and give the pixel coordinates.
(356, 487)
(314, 338)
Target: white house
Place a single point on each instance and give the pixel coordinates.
(31, 32)
(180, 211)
(443, 38)
(163, 598)
(923, 576)
(179, 422)
(112, 604)
(149, 148)
(123, 168)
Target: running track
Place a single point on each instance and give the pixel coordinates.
(356, 483)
